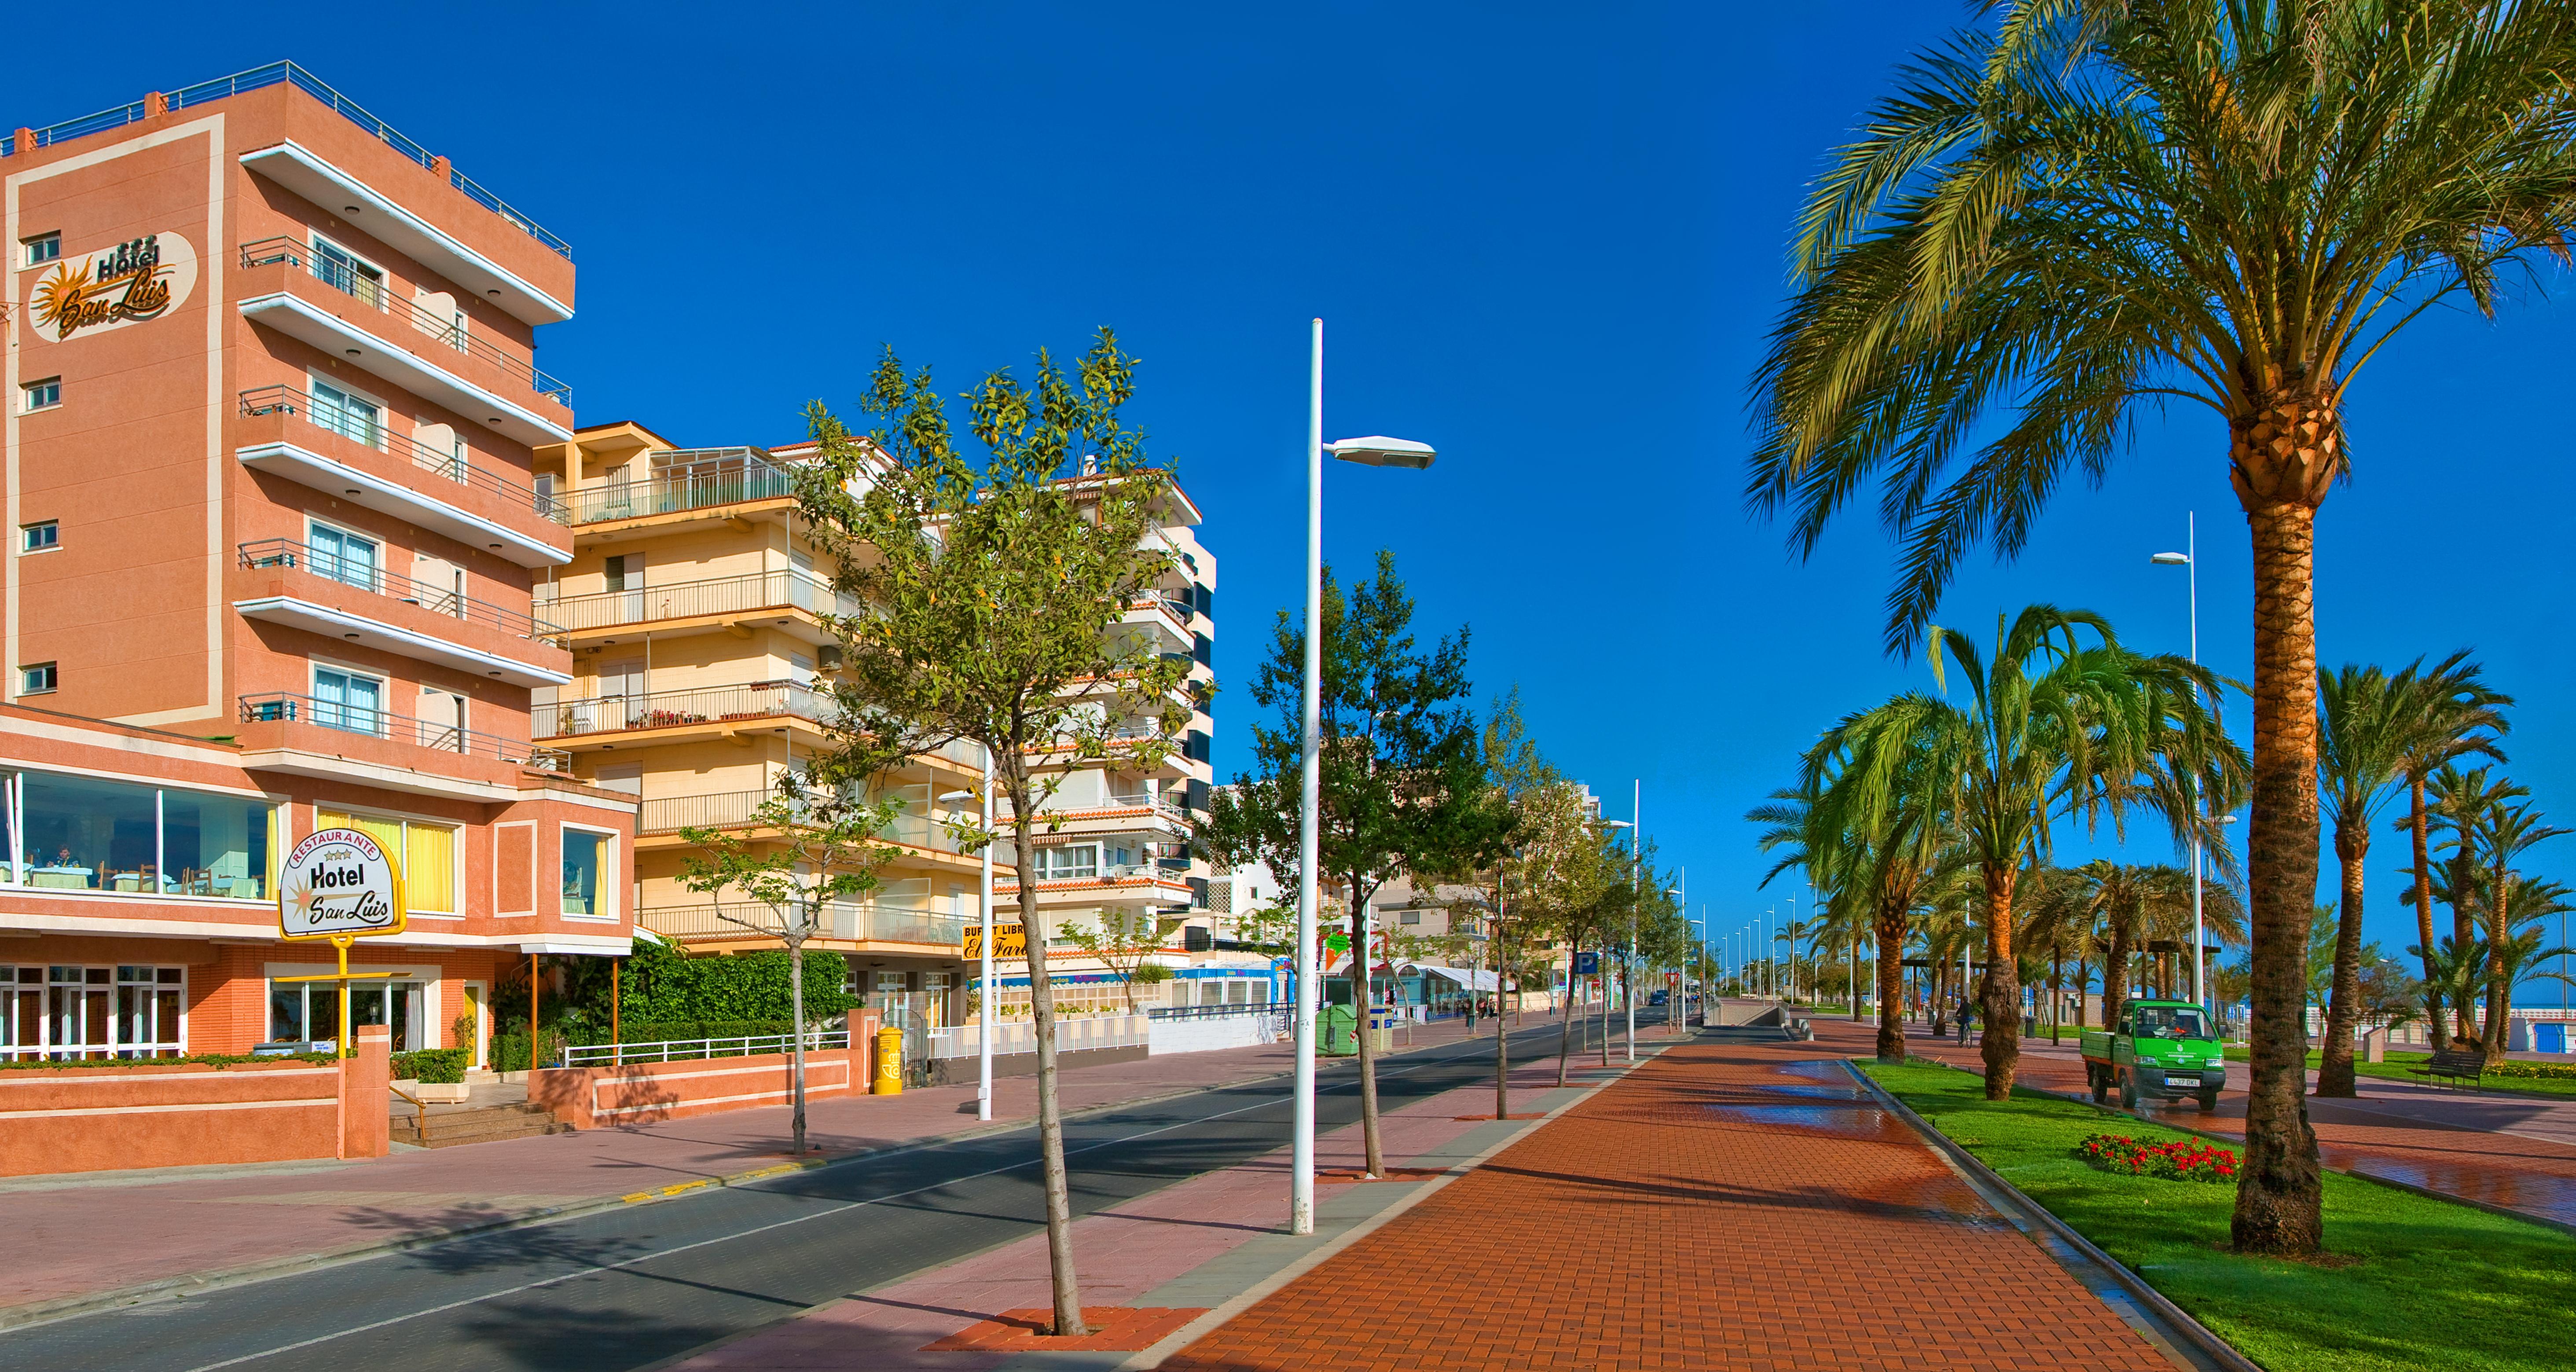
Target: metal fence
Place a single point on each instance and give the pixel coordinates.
(287, 553)
(716, 596)
(1082, 1033)
(286, 400)
(449, 331)
(716, 477)
(270, 707)
(670, 709)
(686, 1050)
(889, 920)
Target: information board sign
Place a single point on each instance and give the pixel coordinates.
(340, 883)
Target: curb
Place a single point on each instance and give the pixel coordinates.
(199, 1283)
(2031, 1213)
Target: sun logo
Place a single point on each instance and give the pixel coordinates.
(302, 899)
(67, 299)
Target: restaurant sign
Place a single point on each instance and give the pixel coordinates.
(134, 281)
(339, 884)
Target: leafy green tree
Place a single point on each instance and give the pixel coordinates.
(2087, 207)
(1401, 778)
(995, 596)
(804, 853)
(1122, 940)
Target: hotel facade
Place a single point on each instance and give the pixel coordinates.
(276, 533)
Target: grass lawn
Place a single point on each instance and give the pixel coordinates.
(2395, 1069)
(2430, 1284)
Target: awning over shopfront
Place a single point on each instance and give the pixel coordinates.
(1469, 978)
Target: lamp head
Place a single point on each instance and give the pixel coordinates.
(1377, 450)
(2171, 559)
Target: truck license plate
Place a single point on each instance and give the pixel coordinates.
(2182, 1081)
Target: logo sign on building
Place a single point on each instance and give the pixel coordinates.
(129, 283)
(340, 883)
(1009, 941)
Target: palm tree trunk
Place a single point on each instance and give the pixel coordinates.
(2056, 988)
(1059, 1194)
(2115, 966)
(2293, 449)
(2334, 1073)
(2001, 997)
(1891, 978)
(2436, 1027)
(2499, 986)
(1363, 998)
(2463, 933)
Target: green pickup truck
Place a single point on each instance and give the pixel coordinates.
(2160, 1050)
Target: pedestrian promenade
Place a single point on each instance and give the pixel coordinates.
(207, 1223)
(2513, 1152)
(1728, 1204)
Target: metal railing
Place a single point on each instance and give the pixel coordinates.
(371, 433)
(716, 596)
(705, 478)
(1213, 1011)
(892, 919)
(286, 553)
(728, 809)
(670, 709)
(690, 1050)
(1016, 1034)
(450, 333)
(287, 73)
(269, 707)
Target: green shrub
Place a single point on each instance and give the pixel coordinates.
(2546, 1071)
(432, 1066)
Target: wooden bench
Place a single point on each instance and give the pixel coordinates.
(2454, 1064)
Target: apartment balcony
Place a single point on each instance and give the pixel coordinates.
(280, 431)
(1142, 885)
(737, 810)
(280, 731)
(362, 320)
(730, 712)
(281, 581)
(702, 485)
(790, 600)
(907, 924)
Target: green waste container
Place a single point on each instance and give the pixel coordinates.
(1338, 1025)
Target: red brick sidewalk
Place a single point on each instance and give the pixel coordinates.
(2453, 1156)
(1717, 1208)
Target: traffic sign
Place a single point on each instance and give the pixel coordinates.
(1587, 964)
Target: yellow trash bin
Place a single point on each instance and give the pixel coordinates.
(889, 1074)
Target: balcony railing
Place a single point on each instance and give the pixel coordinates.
(701, 479)
(887, 920)
(286, 553)
(449, 332)
(287, 73)
(269, 707)
(689, 599)
(371, 432)
(731, 809)
(670, 709)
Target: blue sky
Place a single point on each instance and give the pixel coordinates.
(1548, 239)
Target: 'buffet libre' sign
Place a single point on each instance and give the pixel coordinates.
(340, 883)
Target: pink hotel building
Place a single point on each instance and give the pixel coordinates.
(271, 390)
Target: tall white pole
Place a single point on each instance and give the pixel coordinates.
(1301, 1192)
(1637, 875)
(984, 1013)
(2191, 554)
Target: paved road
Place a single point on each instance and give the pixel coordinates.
(629, 1287)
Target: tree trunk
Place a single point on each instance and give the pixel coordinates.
(1890, 928)
(2001, 999)
(796, 1017)
(1565, 1014)
(2115, 973)
(2334, 1072)
(2463, 932)
(1363, 1000)
(2056, 988)
(1059, 1199)
(2436, 1027)
(1502, 1034)
(2499, 986)
(2284, 460)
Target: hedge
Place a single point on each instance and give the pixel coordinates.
(432, 1066)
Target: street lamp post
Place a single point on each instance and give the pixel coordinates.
(2189, 561)
(1373, 452)
(984, 1015)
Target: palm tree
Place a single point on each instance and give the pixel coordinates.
(2459, 716)
(2507, 832)
(2054, 916)
(2458, 803)
(2101, 205)
(2132, 904)
(2365, 720)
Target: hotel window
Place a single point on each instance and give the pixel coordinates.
(71, 1012)
(36, 679)
(349, 415)
(348, 700)
(585, 871)
(1069, 862)
(41, 536)
(351, 559)
(344, 270)
(40, 395)
(91, 834)
(43, 248)
(427, 852)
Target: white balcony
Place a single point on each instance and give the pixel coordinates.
(350, 627)
(309, 323)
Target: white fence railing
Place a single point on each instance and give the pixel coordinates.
(1079, 1034)
(685, 1050)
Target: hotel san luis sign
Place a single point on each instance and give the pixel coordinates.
(339, 884)
(131, 282)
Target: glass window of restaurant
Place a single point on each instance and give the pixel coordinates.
(92, 834)
(70, 1011)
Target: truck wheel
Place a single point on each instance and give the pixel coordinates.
(2208, 1100)
(2101, 1085)
(2129, 1090)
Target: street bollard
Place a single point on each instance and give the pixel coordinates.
(889, 1074)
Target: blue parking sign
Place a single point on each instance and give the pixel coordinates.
(1587, 964)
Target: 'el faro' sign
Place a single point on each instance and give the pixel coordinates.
(139, 279)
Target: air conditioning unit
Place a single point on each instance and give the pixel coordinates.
(828, 658)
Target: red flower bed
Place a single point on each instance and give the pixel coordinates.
(2182, 1160)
